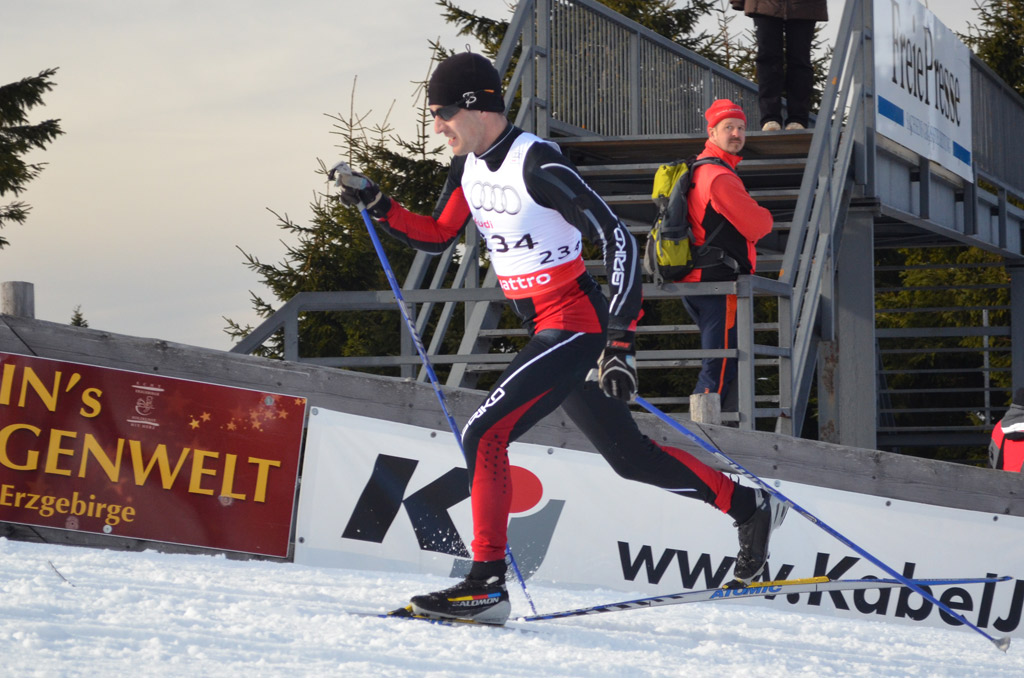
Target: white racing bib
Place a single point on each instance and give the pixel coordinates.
(532, 248)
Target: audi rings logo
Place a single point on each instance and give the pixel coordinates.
(494, 198)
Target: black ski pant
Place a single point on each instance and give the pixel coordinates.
(550, 371)
(784, 68)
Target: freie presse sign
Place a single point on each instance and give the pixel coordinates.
(148, 457)
(923, 84)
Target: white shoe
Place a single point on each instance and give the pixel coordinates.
(771, 126)
(795, 126)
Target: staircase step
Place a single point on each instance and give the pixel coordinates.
(768, 198)
(669, 147)
(647, 169)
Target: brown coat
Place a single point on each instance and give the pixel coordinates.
(815, 10)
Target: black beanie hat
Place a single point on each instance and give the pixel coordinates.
(466, 79)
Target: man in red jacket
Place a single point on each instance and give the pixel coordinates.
(718, 204)
(1006, 450)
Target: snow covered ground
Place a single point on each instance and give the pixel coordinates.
(67, 611)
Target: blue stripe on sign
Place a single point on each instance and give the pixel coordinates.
(890, 110)
(961, 154)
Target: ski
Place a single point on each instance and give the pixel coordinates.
(759, 590)
(406, 614)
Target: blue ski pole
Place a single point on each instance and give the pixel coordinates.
(358, 182)
(1001, 643)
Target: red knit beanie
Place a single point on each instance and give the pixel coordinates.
(722, 109)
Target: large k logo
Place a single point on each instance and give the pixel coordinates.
(384, 496)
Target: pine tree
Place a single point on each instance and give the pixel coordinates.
(77, 319)
(17, 138)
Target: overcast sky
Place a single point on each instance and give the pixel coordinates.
(186, 121)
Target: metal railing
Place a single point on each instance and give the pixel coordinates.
(997, 112)
(583, 69)
(824, 197)
(943, 367)
(748, 352)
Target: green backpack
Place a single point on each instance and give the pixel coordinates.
(669, 255)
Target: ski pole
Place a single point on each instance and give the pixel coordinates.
(1001, 643)
(358, 183)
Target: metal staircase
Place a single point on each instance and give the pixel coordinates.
(620, 100)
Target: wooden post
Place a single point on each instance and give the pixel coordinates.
(706, 408)
(17, 299)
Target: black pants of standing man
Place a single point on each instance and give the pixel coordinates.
(784, 67)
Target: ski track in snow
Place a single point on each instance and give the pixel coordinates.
(154, 614)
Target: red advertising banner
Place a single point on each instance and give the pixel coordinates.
(144, 456)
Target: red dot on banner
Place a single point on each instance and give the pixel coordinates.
(526, 489)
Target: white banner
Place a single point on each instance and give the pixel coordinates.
(380, 495)
(923, 84)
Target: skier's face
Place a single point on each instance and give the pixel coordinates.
(466, 130)
(729, 135)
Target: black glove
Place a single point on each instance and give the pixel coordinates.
(356, 188)
(616, 368)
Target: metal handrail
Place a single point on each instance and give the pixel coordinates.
(824, 196)
(748, 352)
(617, 77)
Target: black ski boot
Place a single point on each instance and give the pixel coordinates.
(480, 597)
(754, 535)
